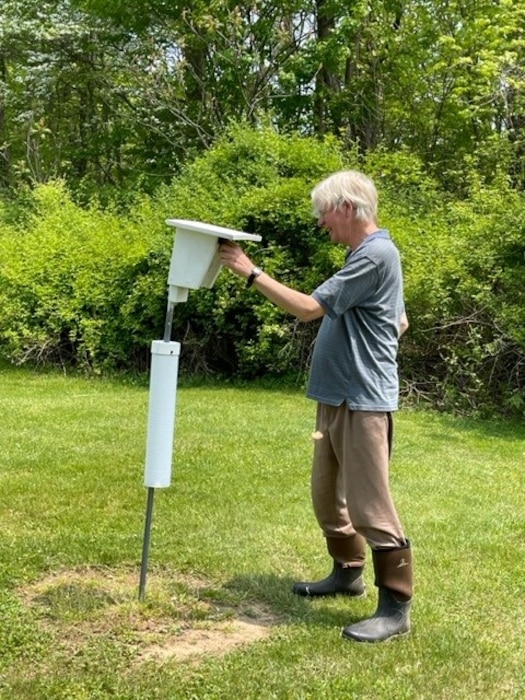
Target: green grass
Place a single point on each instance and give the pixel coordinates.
(229, 537)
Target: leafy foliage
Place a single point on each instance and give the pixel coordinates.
(87, 287)
(73, 284)
(117, 96)
(464, 288)
(257, 181)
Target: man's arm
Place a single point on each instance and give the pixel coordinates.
(303, 306)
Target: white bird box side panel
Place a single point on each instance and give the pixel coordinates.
(193, 254)
(195, 260)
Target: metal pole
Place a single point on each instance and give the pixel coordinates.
(169, 321)
(145, 546)
(151, 491)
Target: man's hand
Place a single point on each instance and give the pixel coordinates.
(403, 324)
(233, 257)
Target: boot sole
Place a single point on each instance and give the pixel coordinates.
(347, 594)
(392, 638)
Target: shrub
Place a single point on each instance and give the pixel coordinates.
(86, 287)
(70, 279)
(259, 182)
(465, 294)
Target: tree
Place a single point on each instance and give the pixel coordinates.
(59, 117)
(448, 93)
(123, 93)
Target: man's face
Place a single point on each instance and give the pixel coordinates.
(338, 222)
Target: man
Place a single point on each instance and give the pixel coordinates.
(353, 378)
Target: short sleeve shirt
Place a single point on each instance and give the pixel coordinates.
(354, 358)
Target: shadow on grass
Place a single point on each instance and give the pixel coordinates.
(276, 592)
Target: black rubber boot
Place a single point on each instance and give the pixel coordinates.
(390, 620)
(348, 555)
(342, 581)
(393, 569)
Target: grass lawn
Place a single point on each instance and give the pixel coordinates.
(229, 537)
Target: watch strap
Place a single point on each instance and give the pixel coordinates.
(256, 271)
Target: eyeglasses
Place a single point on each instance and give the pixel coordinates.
(321, 213)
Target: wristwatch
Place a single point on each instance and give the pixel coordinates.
(256, 271)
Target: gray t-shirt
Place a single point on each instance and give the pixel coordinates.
(354, 358)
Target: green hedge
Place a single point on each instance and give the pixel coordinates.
(465, 287)
(86, 287)
(75, 285)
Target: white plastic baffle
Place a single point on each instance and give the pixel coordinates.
(195, 263)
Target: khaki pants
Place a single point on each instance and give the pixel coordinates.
(350, 476)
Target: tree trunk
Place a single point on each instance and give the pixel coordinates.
(326, 81)
(5, 168)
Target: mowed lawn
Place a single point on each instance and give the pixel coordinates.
(229, 537)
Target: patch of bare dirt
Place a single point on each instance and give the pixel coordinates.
(218, 641)
(183, 618)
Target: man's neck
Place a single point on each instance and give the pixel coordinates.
(362, 234)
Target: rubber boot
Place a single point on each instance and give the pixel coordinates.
(393, 577)
(346, 578)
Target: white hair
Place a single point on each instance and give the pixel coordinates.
(346, 187)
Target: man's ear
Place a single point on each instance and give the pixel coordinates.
(349, 208)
